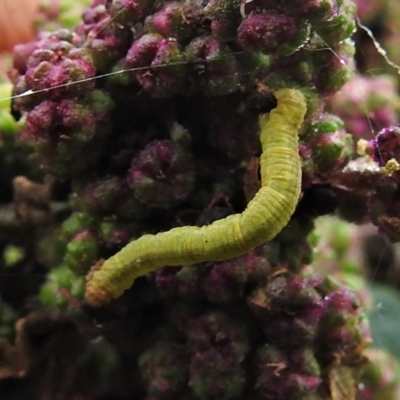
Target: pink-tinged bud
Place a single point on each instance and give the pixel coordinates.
(63, 290)
(331, 146)
(162, 175)
(334, 67)
(104, 194)
(186, 283)
(107, 42)
(164, 369)
(213, 66)
(212, 376)
(228, 282)
(224, 16)
(170, 22)
(386, 145)
(315, 10)
(40, 121)
(218, 345)
(82, 252)
(129, 12)
(55, 66)
(277, 378)
(115, 235)
(158, 65)
(268, 32)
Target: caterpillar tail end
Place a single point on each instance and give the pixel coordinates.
(95, 293)
(97, 296)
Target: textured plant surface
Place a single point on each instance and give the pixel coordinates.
(142, 116)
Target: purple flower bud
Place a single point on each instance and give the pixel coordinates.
(164, 369)
(315, 10)
(143, 51)
(220, 331)
(224, 16)
(128, 12)
(115, 235)
(212, 376)
(386, 145)
(302, 295)
(230, 281)
(76, 117)
(338, 305)
(57, 68)
(95, 13)
(40, 121)
(104, 194)
(162, 175)
(107, 41)
(333, 67)
(60, 130)
(217, 344)
(158, 65)
(304, 361)
(277, 380)
(214, 69)
(266, 32)
(302, 305)
(185, 283)
(170, 22)
(110, 194)
(294, 331)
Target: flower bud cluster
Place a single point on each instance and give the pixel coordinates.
(285, 334)
(146, 111)
(62, 118)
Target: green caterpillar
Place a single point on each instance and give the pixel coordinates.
(265, 216)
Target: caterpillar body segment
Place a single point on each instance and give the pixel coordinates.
(264, 217)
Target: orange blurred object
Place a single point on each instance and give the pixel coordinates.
(16, 22)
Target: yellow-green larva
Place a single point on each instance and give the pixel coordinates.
(265, 216)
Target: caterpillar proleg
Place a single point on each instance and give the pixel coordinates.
(264, 217)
